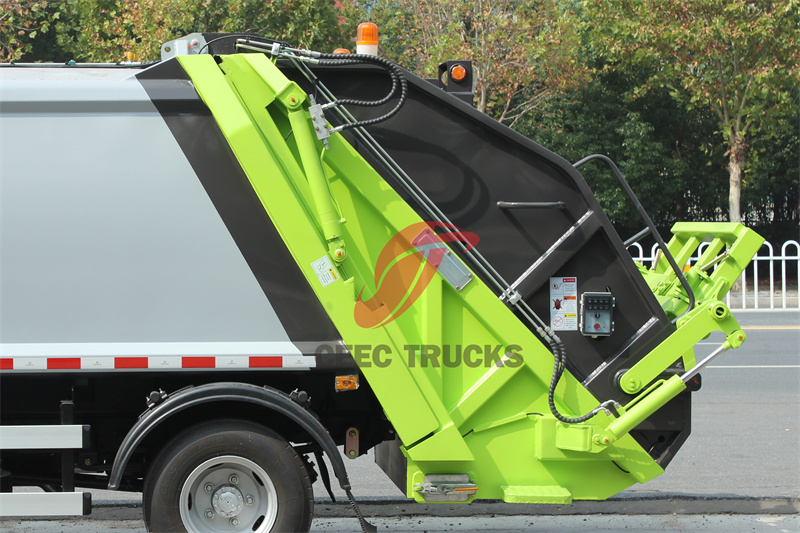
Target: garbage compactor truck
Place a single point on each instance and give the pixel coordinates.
(220, 267)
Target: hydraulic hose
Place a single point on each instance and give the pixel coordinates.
(395, 72)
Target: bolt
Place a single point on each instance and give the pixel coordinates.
(234, 521)
(209, 488)
(249, 500)
(209, 513)
(601, 439)
(234, 479)
(633, 384)
(351, 453)
(87, 462)
(352, 433)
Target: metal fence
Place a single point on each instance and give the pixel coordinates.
(758, 287)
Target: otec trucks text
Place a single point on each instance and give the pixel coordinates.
(219, 267)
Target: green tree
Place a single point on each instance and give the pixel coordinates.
(105, 30)
(772, 198)
(20, 22)
(736, 57)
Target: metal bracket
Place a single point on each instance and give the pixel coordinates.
(511, 296)
(351, 443)
(436, 253)
(319, 121)
(446, 488)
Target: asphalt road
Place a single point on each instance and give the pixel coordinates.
(532, 524)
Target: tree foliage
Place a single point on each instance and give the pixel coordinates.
(736, 57)
(658, 145)
(20, 22)
(771, 200)
(106, 30)
(523, 51)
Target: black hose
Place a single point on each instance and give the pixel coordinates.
(395, 72)
(560, 353)
(367, 103)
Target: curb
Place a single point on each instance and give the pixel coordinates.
(660, 504)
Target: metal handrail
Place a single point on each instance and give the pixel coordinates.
(653, 230)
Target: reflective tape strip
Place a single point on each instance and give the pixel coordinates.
(30, 363)
(164, 363)
(138, 349)
(267, 362)
(130, 362)
(63, 363)
(296, 361)
(153, 356)
(198, 362)
(97, 363)
(233, 361)
(106, 364)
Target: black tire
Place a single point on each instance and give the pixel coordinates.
(216, 467)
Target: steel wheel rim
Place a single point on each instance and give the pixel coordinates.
(213, 500)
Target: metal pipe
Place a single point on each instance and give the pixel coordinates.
(534, 205)
(123, 64)
(636, 237)
(716, 260)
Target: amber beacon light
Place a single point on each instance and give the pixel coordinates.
(367, 39)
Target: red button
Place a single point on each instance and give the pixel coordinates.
(597, 326)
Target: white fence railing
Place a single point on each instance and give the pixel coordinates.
(757, 287)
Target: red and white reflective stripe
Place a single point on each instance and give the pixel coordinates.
(298, 362)
(153, 356)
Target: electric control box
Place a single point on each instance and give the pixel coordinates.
(597, 314)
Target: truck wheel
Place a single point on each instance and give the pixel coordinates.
(226, 476)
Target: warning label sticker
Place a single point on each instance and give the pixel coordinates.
(324, 270)
(564, 304)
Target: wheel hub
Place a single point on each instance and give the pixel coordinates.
(227, 501)
(228, 493)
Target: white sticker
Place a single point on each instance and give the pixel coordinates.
(564, 304)
(325, 271)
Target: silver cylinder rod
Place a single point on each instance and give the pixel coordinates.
(702, 364)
